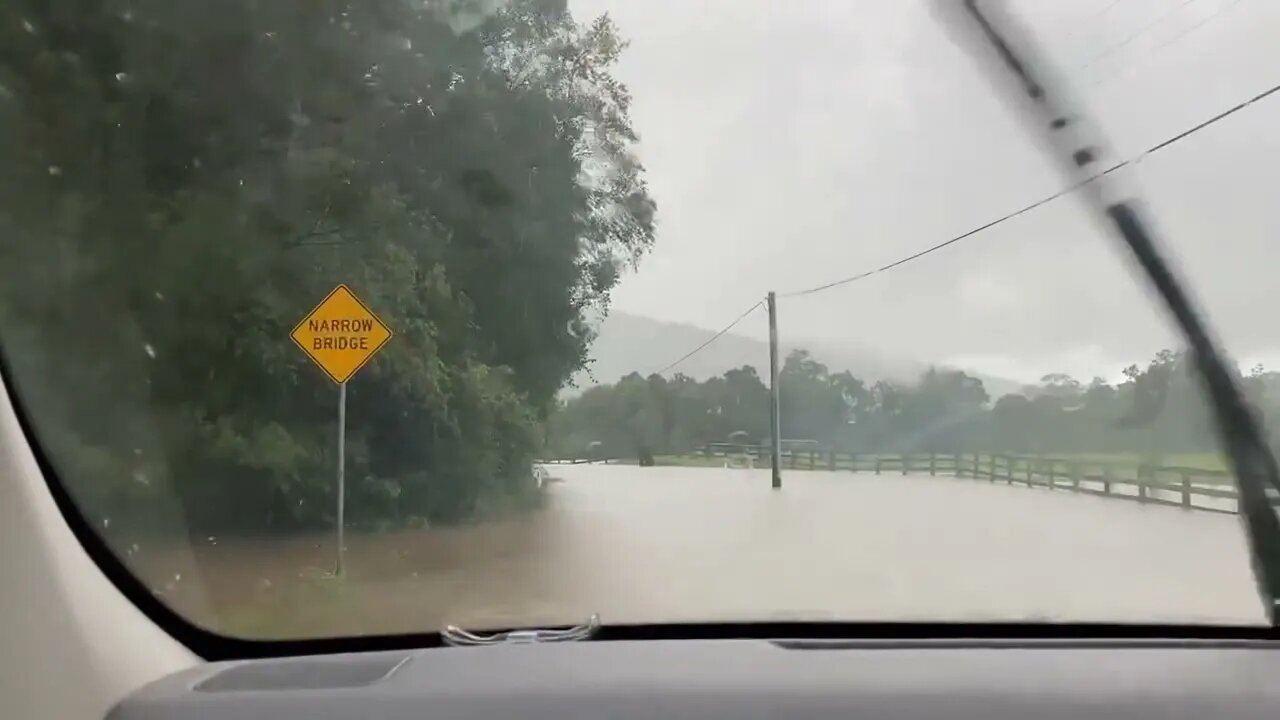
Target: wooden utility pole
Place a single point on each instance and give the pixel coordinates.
(775, 420)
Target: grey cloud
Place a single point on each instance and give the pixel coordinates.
(789, 144)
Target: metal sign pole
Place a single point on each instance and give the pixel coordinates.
(340, 335)
(342, 484)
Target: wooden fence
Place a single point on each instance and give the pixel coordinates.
(1186, 487)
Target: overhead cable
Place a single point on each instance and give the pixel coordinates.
(986, 226)
(710, 340)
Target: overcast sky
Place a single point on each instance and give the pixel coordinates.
(792, 143)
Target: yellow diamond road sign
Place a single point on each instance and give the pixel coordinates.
(341, 334)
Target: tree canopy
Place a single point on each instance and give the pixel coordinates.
(187, 179)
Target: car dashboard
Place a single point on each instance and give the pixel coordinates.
(738, 679)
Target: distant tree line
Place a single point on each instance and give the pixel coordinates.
(1158, 408)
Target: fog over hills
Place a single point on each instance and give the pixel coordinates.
(632, 343)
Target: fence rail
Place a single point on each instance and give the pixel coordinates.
(1186, 487)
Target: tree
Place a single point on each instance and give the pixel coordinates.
(187, 179)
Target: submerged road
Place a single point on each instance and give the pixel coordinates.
(690, 544)
(661, 544)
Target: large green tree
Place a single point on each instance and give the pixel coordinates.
(188, 178)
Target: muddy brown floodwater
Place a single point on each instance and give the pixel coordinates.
(642, 545)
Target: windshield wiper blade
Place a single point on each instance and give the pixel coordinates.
(1063, 127)
(454, 635)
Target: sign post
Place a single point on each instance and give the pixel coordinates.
(342, 475)
(341, 335)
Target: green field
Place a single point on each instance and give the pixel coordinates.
(1122, 464)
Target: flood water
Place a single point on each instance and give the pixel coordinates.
(688, 544)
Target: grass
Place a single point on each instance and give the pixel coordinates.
(1199, 461)
(1124, 465)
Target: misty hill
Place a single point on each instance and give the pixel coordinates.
(633, 343)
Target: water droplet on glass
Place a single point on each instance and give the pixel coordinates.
(151, 352)
(26, 25)
(54, 170)
(159, 295)
(141, 478)
(133, 548)
(408, 44)
(122, 77)
(195, 162)
(177, 577)
(127, 16)
(106, 522)
(270, 34)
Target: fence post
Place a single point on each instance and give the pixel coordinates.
(1186, 490)
(1027, 462)
(853, 462)
(877, 464)
(1142, 483)
(1106, 479)
(993, 467)
(831, 461)
(906, 462)
(976, 474)
(1008, 468)
(955, 466)
(1074, 469)
(811, 466)
(933, 464)
(1053, 468)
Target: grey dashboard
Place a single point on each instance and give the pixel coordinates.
(738, 679)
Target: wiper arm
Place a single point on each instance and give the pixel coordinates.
(1065, 132)
(454, 635)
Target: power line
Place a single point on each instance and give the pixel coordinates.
(712, 339)
(1113, 49)
(1171, 41)
(1154, 148)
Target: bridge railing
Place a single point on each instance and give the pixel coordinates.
(1181, 486)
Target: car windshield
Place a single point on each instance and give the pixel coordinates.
(339, 318)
